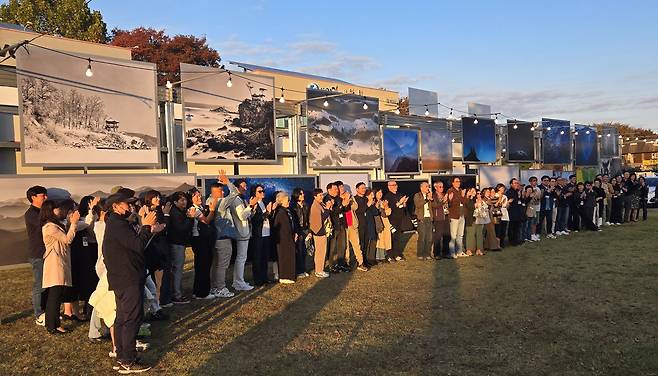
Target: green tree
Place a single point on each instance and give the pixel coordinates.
(68, 18)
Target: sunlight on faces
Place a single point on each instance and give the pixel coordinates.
(217, 192)
(121, 208)
(392, 187)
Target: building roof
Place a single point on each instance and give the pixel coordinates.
(253, 67)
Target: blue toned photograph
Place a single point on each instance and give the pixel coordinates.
(609, 143)
(272, 185)
(556, 141)
(479, 140)
(400, 150)
(520, 141)
(436, 149)
(587, 152)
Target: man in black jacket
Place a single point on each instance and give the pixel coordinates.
(338, 240)
(179, 234)
(123, 251)
(516, 211)
(398, 204)
(36, 195)
(362, 202)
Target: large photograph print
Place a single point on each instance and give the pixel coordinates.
(479, 140)
(609, 143)
(490, 176)
(225, 123)
(401, 151)
(345, 132)
(271, 185)
(13, 203)
(75, 116)
(520, 141)
(436, 149)
(556, 141)
(587, 150)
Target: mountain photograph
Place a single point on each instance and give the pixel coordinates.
(401, 150)
(343, 133)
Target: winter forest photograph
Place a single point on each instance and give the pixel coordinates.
(74, 115)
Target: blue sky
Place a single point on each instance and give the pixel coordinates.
(586, 61)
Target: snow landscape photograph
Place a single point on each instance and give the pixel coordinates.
(80, 113)
(227, 121)
(343, 130)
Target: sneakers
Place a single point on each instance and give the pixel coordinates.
(607, 223)
(535, 238)
(362, 268)
(400, 258)
(181, 300)
(286, 281)
(550, 236)
(41, 320)
(134, 367)
(240, 286)
(113, 354)
(302, 275)
(322, 274)
(223, 293)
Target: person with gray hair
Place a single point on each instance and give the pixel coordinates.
(285, 237)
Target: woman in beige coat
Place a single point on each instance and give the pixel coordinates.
(56, 259)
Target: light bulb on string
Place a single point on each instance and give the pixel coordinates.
(169, 85)
(229, 82)
(548, 129)
(575, 133)
(450, 117)
(282, 99)
(504, 150)
(586, 132)
(599, 136)
(515, 126)
(427, 111)
(476, 119)
(365, 105)
(496, 121)
(326, 103)
(397, 111)
(637, 138)
(562, 132)
(88, 72)
(607, 135)
(453, 140)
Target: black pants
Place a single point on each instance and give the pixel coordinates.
(260, 256)
(501, 232)
(202, 262)
(363, 239)
(300, 255)
(545, 215)
(627, 207)
(574, 218)
(130, 312)
(644, 207)
(440, 239)
(337, 246)
(52, 299)
(514, 232)
(398, 241)
(587, 215)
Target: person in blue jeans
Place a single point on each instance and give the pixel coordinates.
(36, 195)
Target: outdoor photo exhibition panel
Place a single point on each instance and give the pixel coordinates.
(401, 150)
(478, 140)
(556, 142)
(343, 131)
(82, 111)
(586, 146)
(14, 203)
(436, 148)
(227, 117)
(520, 141)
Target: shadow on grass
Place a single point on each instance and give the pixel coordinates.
(268, 339)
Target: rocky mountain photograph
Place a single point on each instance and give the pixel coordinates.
(229, 123)
(13, 202)
(343, 133)
(68, 118)
(401, 150)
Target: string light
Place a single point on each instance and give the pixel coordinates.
(587, 132)
(600, 135)
(575, 133)
(229, 82)
(515, 126)
(282, 99)
(427, 111)
(608, 135)
(365, 105)
(453, 140)
(476, 119)
(89, 73)
(326, 103)
(169, 85)
(397, 111)
(548, 129)
(496, 121)
(504, 150)
(561, 132)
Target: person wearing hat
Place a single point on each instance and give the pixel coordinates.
(123, 252)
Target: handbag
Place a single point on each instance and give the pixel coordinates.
(379, 224)
(328, 227)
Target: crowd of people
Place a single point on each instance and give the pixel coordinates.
(119, 260)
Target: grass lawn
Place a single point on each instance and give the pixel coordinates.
(586, 304)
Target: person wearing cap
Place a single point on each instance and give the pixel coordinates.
(123, 252)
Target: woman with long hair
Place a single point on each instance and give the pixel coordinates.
(384, 237)
(158, 260)
(57, 258)
(300, 213)
(501, 204)
(318, 217)
(203, 240)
